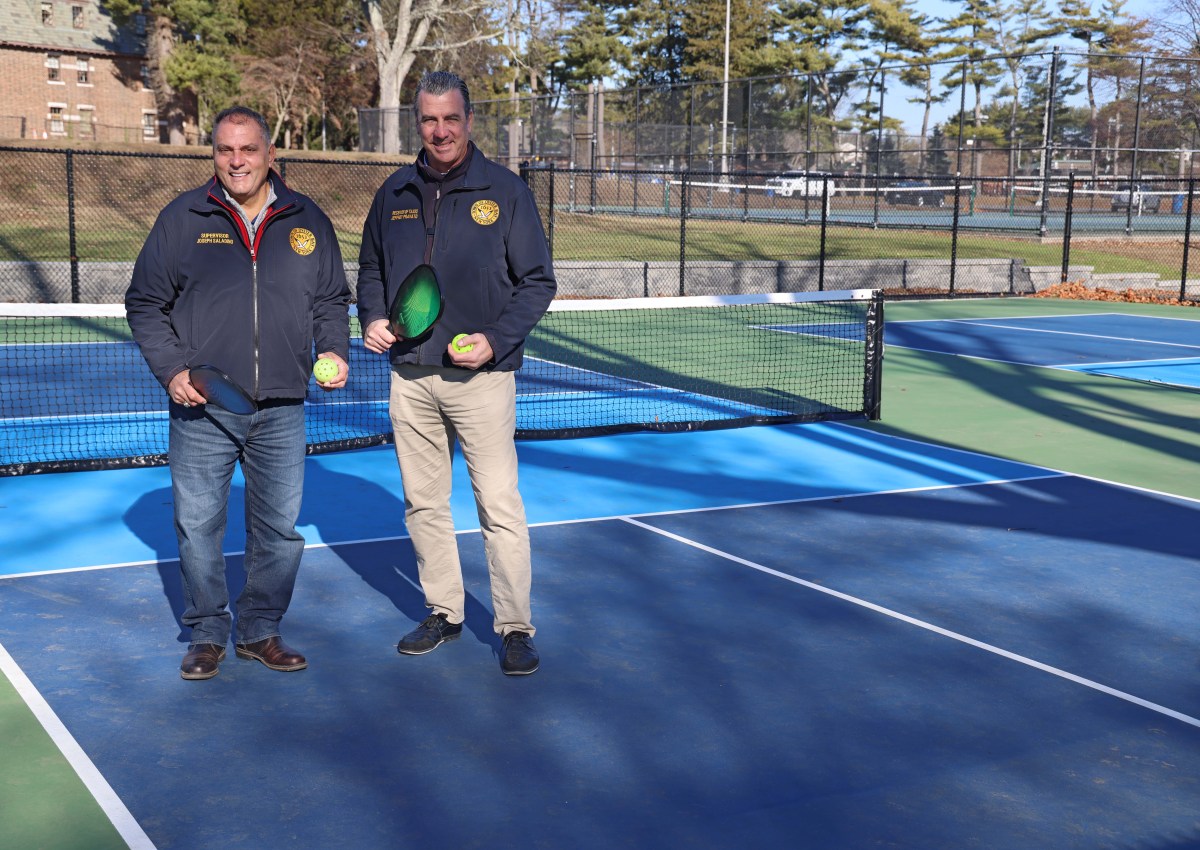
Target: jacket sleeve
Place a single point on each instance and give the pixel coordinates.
(532, 272)
(370, 291)
(331, 297)
(149, 300)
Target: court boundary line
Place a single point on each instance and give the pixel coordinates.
(553, 522)
(989, 323)
(93, 780)
(938, 630)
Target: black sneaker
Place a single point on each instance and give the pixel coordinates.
(518, 656)
(432, 633)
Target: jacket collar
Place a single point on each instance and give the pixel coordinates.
(213, 193)
(476, 177)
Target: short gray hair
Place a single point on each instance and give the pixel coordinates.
(438, 83)
(242, 115)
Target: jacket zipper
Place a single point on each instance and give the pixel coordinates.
(253, 249)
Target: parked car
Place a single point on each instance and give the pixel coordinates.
(1143, 199)
(914, 193)
(802, 183)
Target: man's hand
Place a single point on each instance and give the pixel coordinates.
(378, 337)
(479, 355)
(182, 392)
(343, 372)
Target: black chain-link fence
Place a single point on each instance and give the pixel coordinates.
(73, 222)
(639, 233)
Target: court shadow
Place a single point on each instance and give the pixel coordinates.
(151, 518)
(365, 522)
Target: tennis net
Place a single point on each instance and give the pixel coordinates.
(75, 392)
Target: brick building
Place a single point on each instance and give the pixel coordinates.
(68, 72)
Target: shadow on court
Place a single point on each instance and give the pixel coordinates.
(976, 666)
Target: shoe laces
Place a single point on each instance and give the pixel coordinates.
(521, 639)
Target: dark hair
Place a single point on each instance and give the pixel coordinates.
(439, 83)
(241, 115)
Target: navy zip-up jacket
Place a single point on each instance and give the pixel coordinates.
(202, 294)
(489, 252)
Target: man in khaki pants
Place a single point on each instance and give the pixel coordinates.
(476, 224)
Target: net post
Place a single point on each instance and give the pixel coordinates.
(873, 365)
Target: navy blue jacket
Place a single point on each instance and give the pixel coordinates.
(202, 294)
(489, 252)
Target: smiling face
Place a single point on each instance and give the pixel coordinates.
(243, 158)
(445, 128)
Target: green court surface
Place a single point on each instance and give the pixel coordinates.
(1124, 431)
(1117, 430)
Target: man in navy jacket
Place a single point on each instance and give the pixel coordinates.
(476, 223)
(245, 275)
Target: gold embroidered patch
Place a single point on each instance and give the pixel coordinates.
(401, 215)
(302, 241)
(485, 212)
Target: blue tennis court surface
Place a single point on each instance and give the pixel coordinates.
(799, 636)
(1144, 348)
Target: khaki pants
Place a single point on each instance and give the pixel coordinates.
(430, 408)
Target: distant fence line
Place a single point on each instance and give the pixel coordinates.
(72, 222)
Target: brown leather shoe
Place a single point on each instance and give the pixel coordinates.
(274, 653)
(201, 661)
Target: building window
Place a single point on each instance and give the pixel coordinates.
(82, 70)
(47, 14)
(139, 23)
(77, 18)
(52, 67)
(56, 120)
(87, 122)
(149, 125)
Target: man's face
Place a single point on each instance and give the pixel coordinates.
(242, 158)
(445, 128)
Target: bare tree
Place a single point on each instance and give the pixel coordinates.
(400, 29)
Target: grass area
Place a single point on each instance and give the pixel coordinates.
(649, 238)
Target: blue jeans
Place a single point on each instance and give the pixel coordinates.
(205, 445)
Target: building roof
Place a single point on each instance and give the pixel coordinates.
(21, 26)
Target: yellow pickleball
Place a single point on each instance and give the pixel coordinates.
(325, 370)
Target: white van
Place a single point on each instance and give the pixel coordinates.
(802, 183)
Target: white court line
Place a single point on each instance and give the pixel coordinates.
(103, 793)
(904, 618)
(989, 324)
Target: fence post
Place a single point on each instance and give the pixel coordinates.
(1048, 142)
(75, 294)
(550, 214)
(1066, 255)
(1137, 140)
(824, 223)
(954, 231)
(683, 207)
(1187, 239)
